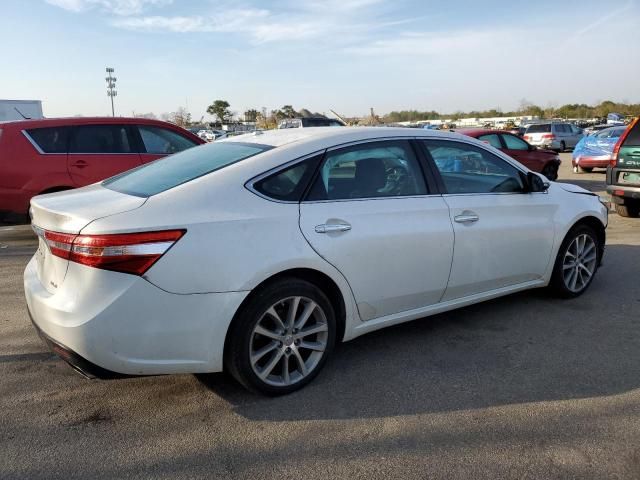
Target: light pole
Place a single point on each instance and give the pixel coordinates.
(111, 86)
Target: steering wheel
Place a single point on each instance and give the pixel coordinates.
(397, 177)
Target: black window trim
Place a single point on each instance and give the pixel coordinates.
(436, 172)
(249, 184)
(128, 129)
(35, 145)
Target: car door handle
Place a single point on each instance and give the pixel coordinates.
(332, 227)
(466, 217)
(79, 164)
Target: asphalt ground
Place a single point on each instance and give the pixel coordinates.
(526, 386)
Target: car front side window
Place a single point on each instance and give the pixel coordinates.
(465, 169)
(514, 143)
(158, 140)
(370, 170)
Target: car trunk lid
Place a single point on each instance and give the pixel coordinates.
(56, 215)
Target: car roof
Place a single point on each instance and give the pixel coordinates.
(280, 137)
(476, 132)
(62, 121)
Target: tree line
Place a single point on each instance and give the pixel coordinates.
(221, 111)
(570, 110)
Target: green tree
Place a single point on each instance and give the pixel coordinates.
(220, 109)
(289, 112)
(251, 115)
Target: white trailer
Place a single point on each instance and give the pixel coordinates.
(20, 109)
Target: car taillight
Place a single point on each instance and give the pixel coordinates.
(616, 148)
(526, 137)
(132, 253)
(550, 136)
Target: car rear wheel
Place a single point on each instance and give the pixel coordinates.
(280, 340)
(563, 146)
(577, 262)
(550, 171)
(628, 209)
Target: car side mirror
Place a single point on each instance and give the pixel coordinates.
(535, 183)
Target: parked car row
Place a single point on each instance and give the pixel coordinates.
(623, 173)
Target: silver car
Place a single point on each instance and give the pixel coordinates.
(553, 135)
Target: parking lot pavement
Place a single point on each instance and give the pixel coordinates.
(521, 387)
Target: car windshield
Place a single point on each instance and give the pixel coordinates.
(169, 172)
(539, 128)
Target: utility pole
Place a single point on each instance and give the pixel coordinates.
(111, 88)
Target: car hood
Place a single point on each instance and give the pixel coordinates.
(568, 187)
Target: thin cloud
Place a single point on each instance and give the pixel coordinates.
(115, 7)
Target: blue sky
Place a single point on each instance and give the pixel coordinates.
(347, 55)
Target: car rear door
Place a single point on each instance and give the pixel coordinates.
(156, 142)
(99, 151)
(503, 236)
(370, 214)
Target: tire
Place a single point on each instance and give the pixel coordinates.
(566, 268)
(628, 210)
(550, 171)
(586, 169)
(563, 147)
(259, 347)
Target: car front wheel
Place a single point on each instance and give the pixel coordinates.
(577, 262)
(280, 340)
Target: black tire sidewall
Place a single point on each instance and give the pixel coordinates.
(237, 354)
(557, 278)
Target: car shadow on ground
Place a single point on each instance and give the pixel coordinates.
(527, 347)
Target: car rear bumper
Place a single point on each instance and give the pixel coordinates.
(620, 191)
(600, 161)
(107, 324)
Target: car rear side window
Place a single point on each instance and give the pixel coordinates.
(169, 172)
(162, 140)
(633, 138)
(289, 184)
(539, 128)
(100, 139)
(51, 139)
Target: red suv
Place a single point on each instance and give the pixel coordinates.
(50, 155)
(535, 159)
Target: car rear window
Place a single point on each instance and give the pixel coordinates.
(49, 140)
(169, 172)
(633, 139)
(539, 128)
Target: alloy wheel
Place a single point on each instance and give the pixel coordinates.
(579, 263)
(288, 341)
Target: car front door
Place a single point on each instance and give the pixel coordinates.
(100, 151)
(522, 152)
(369, 213)
(157, 142)
(503, 236)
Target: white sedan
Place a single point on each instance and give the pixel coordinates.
(256, 254)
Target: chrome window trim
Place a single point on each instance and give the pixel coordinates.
(36, 146)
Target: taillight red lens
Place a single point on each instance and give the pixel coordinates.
(548, 135)
(131, 253)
